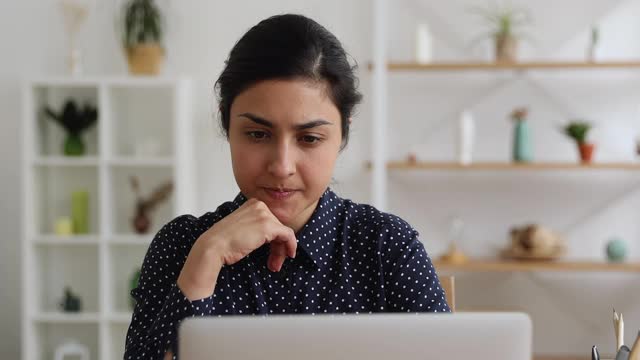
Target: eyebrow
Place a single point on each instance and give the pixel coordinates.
(262, 121)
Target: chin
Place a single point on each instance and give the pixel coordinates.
(282, 215)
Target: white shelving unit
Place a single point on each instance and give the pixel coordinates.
(382, 165)
(98, 265)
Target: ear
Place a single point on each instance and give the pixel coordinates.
(350, 121)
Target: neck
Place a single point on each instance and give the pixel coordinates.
(298, 223)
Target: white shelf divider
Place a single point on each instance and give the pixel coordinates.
(108, 163)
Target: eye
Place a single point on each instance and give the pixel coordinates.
(257, 135)
(310, 139)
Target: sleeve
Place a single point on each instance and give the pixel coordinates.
(160, 304)
(411, 281)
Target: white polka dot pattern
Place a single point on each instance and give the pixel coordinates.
(351, 258)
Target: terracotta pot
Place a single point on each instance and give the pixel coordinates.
(586, 152)
(145, 59)
(506, 48)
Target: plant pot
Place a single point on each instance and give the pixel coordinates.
(586, 152)
(73, 145)
(145, 59)
(506, 48)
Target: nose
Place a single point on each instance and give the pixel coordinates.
(282, 162)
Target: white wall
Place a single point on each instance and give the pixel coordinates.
(570, 311)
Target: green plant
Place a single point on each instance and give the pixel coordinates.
(577, 130)
(142, 23)
(73, 119)
(503, 20)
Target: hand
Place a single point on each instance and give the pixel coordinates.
(231, 239)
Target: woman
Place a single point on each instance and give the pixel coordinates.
(287, 243)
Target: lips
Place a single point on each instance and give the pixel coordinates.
(280, 193)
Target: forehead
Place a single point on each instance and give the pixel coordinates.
(287, 101)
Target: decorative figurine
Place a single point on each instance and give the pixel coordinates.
(70, 302)
(141, 221)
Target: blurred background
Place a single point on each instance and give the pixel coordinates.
(510, 134)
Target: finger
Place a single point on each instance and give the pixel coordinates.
(277, 256)
(284, 235)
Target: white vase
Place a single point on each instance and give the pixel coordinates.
(71, 349)
(466, 138)
(424, 44)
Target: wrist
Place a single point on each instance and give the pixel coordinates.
(199, 274)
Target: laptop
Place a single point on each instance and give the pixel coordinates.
(458, 336)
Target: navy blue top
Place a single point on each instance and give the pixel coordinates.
(351, 258)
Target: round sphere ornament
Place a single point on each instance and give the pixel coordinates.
(616, 250)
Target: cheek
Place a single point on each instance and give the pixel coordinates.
(318, 167)
(247, 164)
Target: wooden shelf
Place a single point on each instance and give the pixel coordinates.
(497, 265)
(488, 66)
(404, 165)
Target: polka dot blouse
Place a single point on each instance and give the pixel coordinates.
(351, 258)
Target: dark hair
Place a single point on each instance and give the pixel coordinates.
(289, 47)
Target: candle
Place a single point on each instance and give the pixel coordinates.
(63, 226)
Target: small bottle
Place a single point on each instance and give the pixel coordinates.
(466, 134)
(424, 44)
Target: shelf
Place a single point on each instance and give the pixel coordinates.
(496, 265)
(487, 66)
(404, 165)
(71, 240)
(131, 239)
(67, 318)
(66, 161)
(123, 318)
(142, 162)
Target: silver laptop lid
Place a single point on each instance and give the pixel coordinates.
(459, 336)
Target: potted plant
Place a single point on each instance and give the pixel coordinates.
(522, 146)
(578, 130)
(142, 37)
(505, 24)
(75, 121)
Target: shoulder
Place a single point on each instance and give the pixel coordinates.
(386, 225)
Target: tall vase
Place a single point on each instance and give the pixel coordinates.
(80, 211)
(522, 147)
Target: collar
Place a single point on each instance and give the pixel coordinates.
(318, 236)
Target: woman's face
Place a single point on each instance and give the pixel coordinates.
(285, 136)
